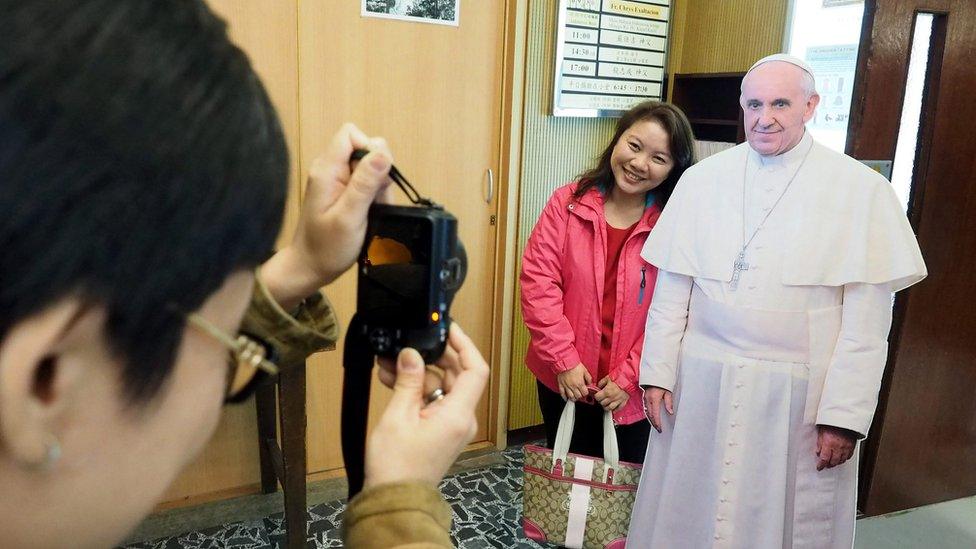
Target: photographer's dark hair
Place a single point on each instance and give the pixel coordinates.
(682, 149)
(141, 163)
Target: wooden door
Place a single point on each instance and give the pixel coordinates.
(435, 93)
(922, 447)
(266, 31)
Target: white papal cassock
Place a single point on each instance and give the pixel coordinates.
(800, 341)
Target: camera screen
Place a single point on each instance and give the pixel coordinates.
(397, 264)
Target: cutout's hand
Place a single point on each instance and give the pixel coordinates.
(834, 446)
(654, 397)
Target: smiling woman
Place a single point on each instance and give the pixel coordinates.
(587, 243)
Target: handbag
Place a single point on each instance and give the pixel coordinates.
(581, 502)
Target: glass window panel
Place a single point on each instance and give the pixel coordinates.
(826, 34)
(911, 114)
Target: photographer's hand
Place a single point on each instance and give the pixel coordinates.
(333, 221)
(418, 441)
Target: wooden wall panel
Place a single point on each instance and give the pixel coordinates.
(267, 31)
(726, 36)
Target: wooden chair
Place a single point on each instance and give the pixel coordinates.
(285, 463)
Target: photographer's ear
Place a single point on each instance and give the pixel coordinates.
(39, 377)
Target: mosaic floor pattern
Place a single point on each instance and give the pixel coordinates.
(486, 503)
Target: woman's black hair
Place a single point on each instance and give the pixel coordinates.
(682, 142)
(141, 163)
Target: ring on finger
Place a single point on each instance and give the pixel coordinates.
(435, 395)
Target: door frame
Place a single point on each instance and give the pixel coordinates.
(510, 169)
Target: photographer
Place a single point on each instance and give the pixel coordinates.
(142, 180)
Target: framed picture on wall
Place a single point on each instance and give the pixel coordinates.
(441, 12)
(610, 55)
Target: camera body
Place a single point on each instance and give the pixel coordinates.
(410, 267)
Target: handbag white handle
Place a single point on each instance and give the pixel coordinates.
(564, 435)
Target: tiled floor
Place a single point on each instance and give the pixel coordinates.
(487, 507)
(485, 501)
(949, 525)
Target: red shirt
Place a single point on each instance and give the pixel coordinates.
(615, 243)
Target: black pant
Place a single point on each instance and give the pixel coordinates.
(588, 428)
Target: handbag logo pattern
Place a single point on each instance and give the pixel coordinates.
(546, 499)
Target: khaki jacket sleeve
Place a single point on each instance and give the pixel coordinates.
(312, 328)
(406, 515)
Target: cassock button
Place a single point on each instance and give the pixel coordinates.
(736, 405)
(726, 481)
(738, 385)
(728, 462)
(718, 536)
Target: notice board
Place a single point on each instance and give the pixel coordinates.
(610, 55)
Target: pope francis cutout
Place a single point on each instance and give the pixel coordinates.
(767, 334)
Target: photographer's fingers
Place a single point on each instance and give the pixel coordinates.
(329, 172)
(473, 376)
(409, 386)
(367, 180)
(344, 142)
(433, 378)
(450, 363)
(386, 374)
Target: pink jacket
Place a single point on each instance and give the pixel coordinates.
(562, 294)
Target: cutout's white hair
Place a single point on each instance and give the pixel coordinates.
(807, 82)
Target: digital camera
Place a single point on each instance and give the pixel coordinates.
(411, 265)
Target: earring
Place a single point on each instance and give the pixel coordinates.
(52, 454)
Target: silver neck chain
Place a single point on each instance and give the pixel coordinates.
(745, 173)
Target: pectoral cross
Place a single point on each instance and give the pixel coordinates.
(737, 267)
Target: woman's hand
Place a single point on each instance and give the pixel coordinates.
(653, 398)
(333, 221)
(418, 441)
(572, 383)
(611, 396)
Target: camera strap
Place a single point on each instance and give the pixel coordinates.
(401, 182)
(357, 365)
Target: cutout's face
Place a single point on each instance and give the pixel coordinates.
(641, 159)
(775, 107)
(117, 459)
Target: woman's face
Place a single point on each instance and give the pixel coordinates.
(641, 159)
(117, 459)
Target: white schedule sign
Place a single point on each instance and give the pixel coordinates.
(610, 55)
